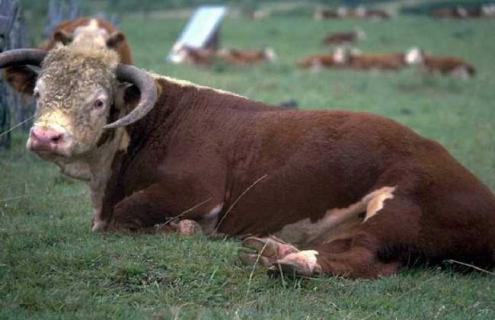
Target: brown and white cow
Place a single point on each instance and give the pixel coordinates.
(339, 58)
(87, 31)
(207, 56)
(195, 56)
(345, 193)
(246, 56)
(460, 12)
(346, 58)
(449, 65)
(346, 12)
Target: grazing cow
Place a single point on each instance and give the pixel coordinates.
(344, 37)
(246, 56)
(443, 64)
(345, 193)
(85, 31)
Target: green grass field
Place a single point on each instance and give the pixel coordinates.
(53, 267)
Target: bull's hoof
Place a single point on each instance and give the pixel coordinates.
(303, 263)
(185, 227)
(188, 227)
(269, 247)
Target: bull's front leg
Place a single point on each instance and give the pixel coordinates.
(175, 209)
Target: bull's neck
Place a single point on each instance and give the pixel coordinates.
(100, 169)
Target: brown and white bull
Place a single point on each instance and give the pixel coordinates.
(346, 193)
(85, 31)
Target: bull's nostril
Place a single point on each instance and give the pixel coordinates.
(57, 138)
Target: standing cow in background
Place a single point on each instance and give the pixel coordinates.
(86, 31)
(345, 193)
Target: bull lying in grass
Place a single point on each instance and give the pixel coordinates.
(345, 193)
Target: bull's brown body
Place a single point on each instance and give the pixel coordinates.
(269, 168)
(360, 194)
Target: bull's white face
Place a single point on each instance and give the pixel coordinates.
(73, 101)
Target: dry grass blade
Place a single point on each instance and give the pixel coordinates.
(470, 266)
(188, 210)
(251, 274)
(16, 126)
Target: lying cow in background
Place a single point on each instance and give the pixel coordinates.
(195, 56)
(381, 61)
(460, 12)
(343, 37)
(449, 65)
(246, 56)
(207, 56)
(346, 58)
(345, 12)
(84, 30)
(339, 58)
(346, 193)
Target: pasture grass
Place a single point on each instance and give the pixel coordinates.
(53, 267)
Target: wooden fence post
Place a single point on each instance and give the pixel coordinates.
(12, 35)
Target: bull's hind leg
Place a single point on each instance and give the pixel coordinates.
(394, 225)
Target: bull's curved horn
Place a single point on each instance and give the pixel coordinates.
(146, 85)
(18, 57)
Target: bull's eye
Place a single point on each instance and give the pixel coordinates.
(36, 95)
(98, 104)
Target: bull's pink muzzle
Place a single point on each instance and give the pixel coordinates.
(45, 139)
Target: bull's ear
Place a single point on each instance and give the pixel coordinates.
(22, 78)
(131, 96)
(115, 39)
(62, 36)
